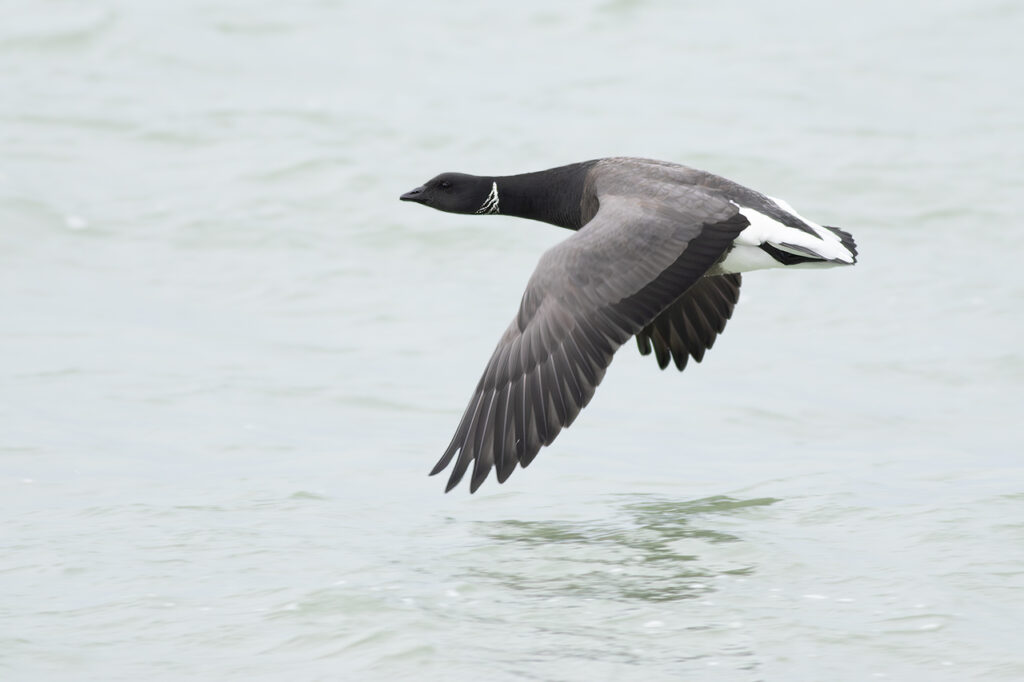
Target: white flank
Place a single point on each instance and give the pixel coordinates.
(491, 203)
(747, 254)
(746, 258)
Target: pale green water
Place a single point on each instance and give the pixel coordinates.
(230, 355)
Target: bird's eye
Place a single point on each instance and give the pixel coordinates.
(445, 184)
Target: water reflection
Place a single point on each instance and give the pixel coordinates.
(653, 549)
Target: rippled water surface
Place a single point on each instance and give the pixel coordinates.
(230, 355)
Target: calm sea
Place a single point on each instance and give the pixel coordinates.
(229, 355)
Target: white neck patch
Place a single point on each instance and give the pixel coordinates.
(491, 203)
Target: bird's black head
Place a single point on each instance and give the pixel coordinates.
(457, 193)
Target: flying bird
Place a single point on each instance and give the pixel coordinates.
(656, 254)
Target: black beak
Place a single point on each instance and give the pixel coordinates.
(414, 195)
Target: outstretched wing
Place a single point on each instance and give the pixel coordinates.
(588, 295)
(689, 326)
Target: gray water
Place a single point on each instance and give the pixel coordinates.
(229, 355)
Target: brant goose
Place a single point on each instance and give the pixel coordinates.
(656, 254)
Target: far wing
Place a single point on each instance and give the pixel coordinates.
(688, 327)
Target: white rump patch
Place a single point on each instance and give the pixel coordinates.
(747, 254)
(827, 235)
(744, 258)
(491, 203)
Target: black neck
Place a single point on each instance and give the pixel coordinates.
(552, 196)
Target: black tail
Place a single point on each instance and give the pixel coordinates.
(846, 239)
(785, 257)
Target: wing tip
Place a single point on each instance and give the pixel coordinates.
(456, 477)
(442, 463)
(453, 480)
